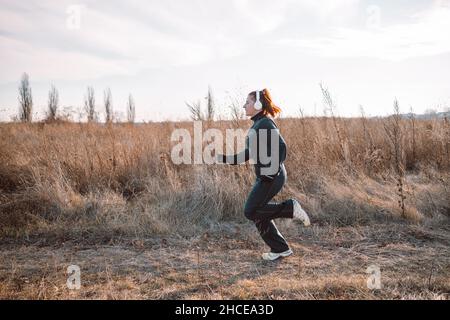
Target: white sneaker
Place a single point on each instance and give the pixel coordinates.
(270, 256)
(300, 214)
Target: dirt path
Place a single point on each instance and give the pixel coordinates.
(328, 263)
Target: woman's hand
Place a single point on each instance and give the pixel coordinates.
(221, 158)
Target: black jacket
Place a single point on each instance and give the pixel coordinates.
(260, 121)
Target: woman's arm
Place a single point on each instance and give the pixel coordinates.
(243, 156)
(237, 158)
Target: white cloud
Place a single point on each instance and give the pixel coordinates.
(262, 15)
(118, 38)
(330, 9)
(428, 35)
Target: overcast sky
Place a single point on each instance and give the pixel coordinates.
(168, 52)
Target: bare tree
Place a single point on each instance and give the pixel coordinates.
(236, 110)
(195, 110)
(302, 119)
(25, 99)
(412, 120)
(89, 104)
(301, 111)
(394, 132)
(107, 98)
(367, 135)
(131, 109)
(53, 102)
(328, 100)
(330, 107)
(210, 105)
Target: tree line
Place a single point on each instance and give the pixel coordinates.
(26, 104)
(195, 108)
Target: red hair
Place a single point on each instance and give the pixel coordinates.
(268, 107)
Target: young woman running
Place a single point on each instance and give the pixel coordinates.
(261, 109)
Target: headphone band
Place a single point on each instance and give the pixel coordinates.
(258, 104)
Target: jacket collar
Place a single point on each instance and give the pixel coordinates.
(258, 116)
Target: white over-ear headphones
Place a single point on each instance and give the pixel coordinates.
(258, 104)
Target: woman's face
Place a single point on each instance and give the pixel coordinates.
(249, 106)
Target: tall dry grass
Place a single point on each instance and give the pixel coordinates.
(67, 179)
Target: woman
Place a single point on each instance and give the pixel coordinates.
(261, 109)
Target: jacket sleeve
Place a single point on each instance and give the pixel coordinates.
(269, 125)
(240, 157)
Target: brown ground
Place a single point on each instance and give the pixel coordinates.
(328, 263)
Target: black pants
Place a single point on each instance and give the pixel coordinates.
(261, 211)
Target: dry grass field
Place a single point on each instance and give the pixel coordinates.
(109, 199)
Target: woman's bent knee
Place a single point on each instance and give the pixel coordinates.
(250, 214)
